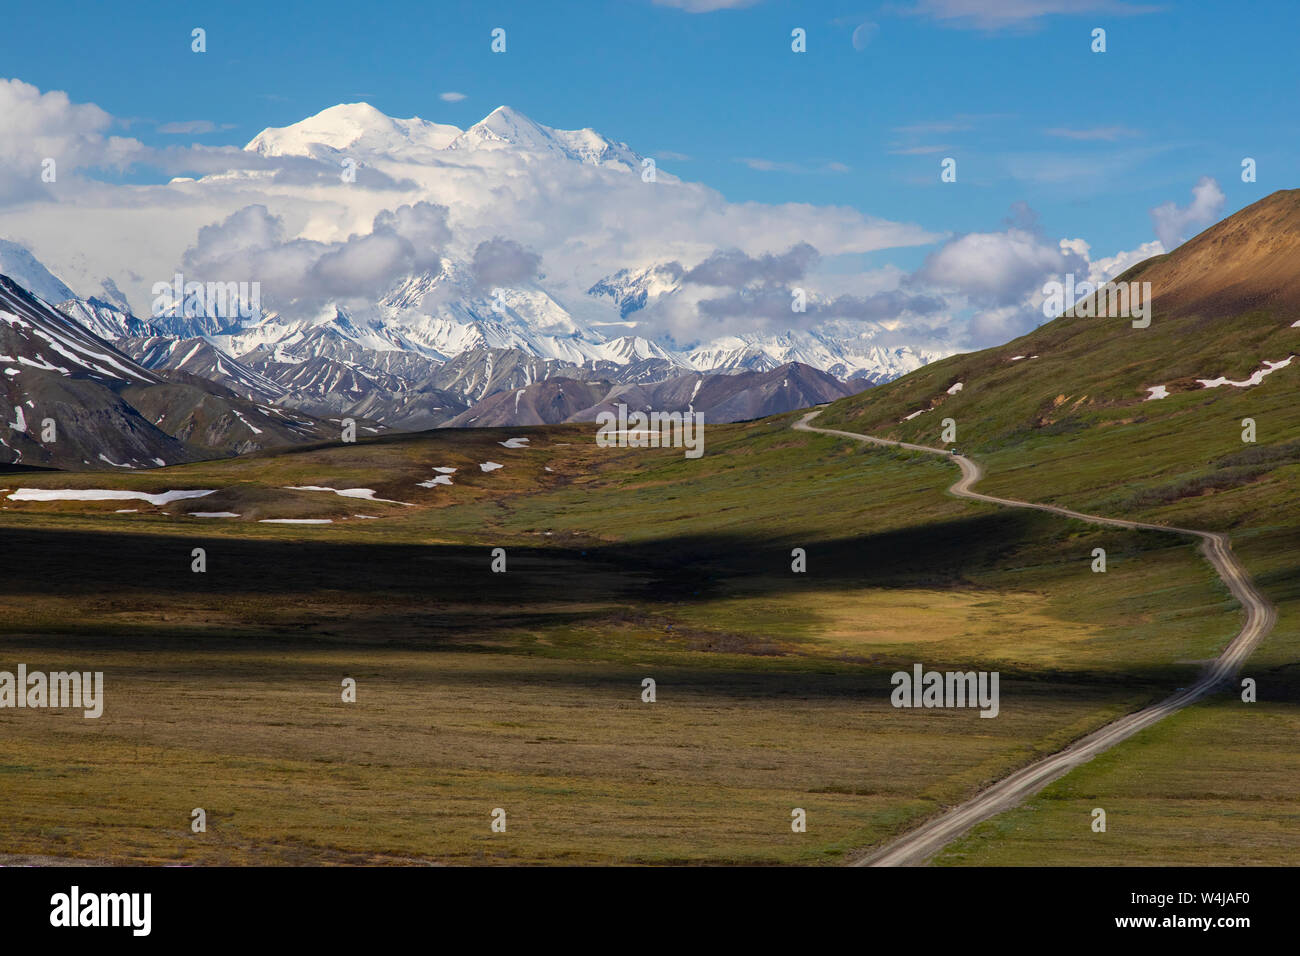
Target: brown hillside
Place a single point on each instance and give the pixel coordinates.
(1249, 261)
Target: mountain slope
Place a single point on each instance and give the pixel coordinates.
(62, 389)
(201, 358)
(74, 401)
(1137, 419)
(25, 269)
(720, 398)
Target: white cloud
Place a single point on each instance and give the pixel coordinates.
(1174, 224)
(1110, 267)
(39, 126)
(451, 96)
(996, 268)
(585, 222)
(251, 245)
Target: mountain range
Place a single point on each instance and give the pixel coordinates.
(447, 344)
(450, 334)
(93, 387)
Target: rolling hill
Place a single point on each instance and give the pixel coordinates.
(1137, 419)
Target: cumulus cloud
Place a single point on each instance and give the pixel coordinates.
(290, 223)
(996, 279)
(1109, 267)
(503, 262)
(252, 245)
(732, 267)
(996, 269)
(774, 306)
(47, 126)
(1002, 324)
(1174, 223)
(777, 292)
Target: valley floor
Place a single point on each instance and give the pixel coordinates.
(522, 690)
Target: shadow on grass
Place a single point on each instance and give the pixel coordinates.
(937, 555)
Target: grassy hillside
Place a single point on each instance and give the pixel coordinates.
(1071, 423)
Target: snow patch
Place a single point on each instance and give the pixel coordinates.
(98, 494)
(364, 493)
(1255, 379)
(1156, 391)
(955, 389)
(490, 466)
(514, 443)
(252, 428)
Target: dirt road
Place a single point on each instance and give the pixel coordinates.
(916, 847)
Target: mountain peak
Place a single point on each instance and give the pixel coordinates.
(507, 128)
(504, 126)
(359, 127)
(18, 263)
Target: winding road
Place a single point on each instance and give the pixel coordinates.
(916, 847)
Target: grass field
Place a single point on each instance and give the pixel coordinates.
(522, 690)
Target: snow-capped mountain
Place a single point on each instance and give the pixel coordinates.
(353, 128)
(442, 313)
(73, 400)
(20, 265)
(842, 359)
(440, 316)
(450, 333)
(360, 129)
(200, 358)
(100, 318)
(844, 350)
(631, 290)
(508, 128)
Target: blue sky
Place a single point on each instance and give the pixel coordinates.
(1069, 161)
(1182, 92)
